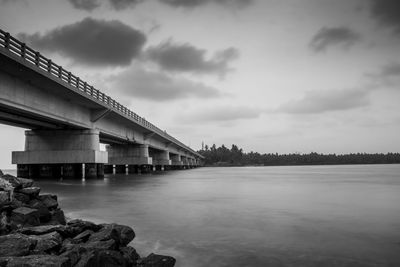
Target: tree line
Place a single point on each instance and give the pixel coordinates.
(223, 156)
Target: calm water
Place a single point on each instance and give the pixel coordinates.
(252, 216)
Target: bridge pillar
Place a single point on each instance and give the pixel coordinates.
(176, 161)
(49, 153)
(160, 159)
(129, 154)
(109, 169)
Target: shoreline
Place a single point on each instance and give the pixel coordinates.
(34, 232)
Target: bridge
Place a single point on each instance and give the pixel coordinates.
(68, 118)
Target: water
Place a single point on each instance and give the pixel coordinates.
(251, 216)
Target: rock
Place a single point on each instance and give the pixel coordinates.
(80, 225)
(4, 198)
(44, 229)
(1, 173)
(4, 227)
(25, 216)
(73, 254)
(12, 180)
(82, 237)
(43, 211)
(130, 255)
(106, 233)
(154, 260)
(22, 197)
(50, 201)
(102, 258)
(126, 233)
(37, 261)
(25, 182)
(16, 245)
(57, 217)
(47, 242)
(30, 191)
(100, 245)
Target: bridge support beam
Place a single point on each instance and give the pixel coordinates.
(60, 153)
(160, 159)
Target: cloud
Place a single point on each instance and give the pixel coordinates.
(187, 58)
(227, 113)
(391, 70)
(123, 4)
(387, 13)
(196, 3)
(87, 5)
(92, 42)
(325, 101)
(159, 87)
(327, 37)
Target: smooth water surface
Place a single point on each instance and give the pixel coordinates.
(251, 216)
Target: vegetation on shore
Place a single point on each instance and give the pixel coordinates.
(223, 156)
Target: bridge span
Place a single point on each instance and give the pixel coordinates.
(68, 119)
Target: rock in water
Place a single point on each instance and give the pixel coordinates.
(154, 260)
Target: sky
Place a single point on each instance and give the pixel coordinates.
(272, 76)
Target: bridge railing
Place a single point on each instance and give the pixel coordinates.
(23, 51)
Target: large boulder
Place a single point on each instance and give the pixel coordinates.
(25, 182)
(4, 198)
(80, 225)
(16, 245)
(82, 237)
(30, 191)
(130, 255)
(47, 243)
(36, 261)
(154, 260)
(15, 183)
(43, 211)
(104, 234)
(24, 216)
(44, 229)
(101, 258)
(49, 200)
(126, 233)
(21, 197)
(57, 217)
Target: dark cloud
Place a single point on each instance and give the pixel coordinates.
(196, 3)
(92, 42)
(327, 37)
(387, 13)
(157, 86)
(87, 5)
(391, 70)
(329, 100)
(123, 4)
(187, 58)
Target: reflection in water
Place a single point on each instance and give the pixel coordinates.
(251, 216)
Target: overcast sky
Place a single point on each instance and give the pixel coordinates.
(268, 75)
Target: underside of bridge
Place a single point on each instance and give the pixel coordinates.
(68, 119)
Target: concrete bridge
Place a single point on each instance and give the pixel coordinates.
(68, 119)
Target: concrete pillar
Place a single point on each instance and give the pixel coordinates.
(109, 169)
(176, 161)
(90, 170)
(23, 170)
(49, 150)
(160, 157)
(120, 169)
(100, 170)
(50, 171)
(132, 169)
(128, 154)
(72, 171)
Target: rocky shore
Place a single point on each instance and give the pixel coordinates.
(34, 232)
